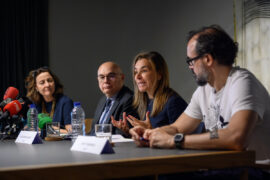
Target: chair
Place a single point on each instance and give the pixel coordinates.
(88, 124)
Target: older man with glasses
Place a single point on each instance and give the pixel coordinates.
(117, 97)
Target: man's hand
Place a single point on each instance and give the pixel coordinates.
(121, 124)
(159, 138)
(137, 135)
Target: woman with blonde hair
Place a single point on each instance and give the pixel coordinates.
(157, 104)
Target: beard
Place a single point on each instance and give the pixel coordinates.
(201, 81)
(202, 78)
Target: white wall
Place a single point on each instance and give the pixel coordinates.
(84, 33)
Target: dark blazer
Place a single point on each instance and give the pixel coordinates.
(123, 103)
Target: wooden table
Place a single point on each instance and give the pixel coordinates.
(54, 160)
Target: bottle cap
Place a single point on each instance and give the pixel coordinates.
(77, 104)
(32, 106)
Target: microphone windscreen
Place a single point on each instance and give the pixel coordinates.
(14, 107)
(43, 120)
(11, 92)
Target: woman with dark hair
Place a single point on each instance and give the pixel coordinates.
(45, 90)
(157, 104)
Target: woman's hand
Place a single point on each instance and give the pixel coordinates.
(67, 129)
(121, 123)
(136, 122)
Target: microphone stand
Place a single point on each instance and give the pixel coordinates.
(10, 127)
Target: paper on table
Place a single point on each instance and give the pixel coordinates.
(119, 138)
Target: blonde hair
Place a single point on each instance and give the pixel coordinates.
(162, 91)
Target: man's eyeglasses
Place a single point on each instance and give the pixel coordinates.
(191, 61)
(110, 76)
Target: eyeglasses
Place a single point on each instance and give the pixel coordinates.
(191, 61)
(110, 76)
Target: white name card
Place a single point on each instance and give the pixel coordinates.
(92, 144)
(28, 137)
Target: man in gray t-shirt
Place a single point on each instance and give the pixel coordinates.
(232, 103)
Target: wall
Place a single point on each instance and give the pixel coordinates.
(84, 33)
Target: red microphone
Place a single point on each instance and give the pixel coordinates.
(12, 108)
(11, 92)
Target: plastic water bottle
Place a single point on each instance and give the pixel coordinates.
(32, 118)
(77, 120)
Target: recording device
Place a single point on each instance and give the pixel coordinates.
(10, 94)
(11, 114)
(10, 120)
(12, 108)
(5, 102)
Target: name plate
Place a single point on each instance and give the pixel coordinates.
(92, 144)
(28, 137)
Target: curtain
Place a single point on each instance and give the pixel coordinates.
(24, 41)
(252, 26)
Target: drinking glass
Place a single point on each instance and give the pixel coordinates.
(53, 129)
(104, 131)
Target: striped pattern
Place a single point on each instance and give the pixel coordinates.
(254, 9)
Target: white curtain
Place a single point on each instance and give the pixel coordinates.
(252, 30)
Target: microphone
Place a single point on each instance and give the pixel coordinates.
(25, 102)
(11, 92)
(12, 108)
(11, 114)
(5, 102)
(43, 120)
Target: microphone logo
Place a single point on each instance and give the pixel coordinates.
(18, 108)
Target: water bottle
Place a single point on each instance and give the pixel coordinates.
(32, 118)
(77, 120)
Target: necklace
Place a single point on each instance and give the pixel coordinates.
(52, 109)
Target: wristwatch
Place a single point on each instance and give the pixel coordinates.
(178, 140)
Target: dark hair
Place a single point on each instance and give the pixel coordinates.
(30, 85)
(215, 41)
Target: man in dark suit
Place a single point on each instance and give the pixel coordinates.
(118, 98)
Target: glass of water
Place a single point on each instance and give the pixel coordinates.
(104, 131)
(53, 129)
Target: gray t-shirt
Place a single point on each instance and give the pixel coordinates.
(242, 91)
